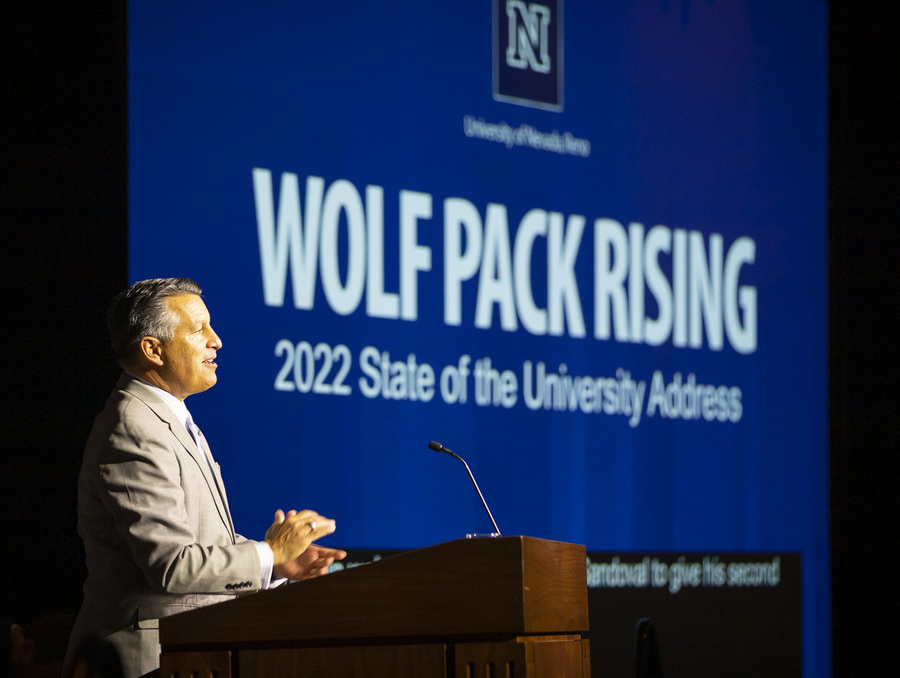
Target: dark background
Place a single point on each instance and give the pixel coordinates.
(64, 246)
(705, 631)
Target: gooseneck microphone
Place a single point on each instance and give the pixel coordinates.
(437, 447)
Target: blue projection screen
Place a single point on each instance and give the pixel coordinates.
(581, 244)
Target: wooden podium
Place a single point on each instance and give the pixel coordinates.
(473, 608)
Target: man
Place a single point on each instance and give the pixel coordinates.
(152, 510)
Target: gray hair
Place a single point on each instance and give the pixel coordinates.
(142, 311)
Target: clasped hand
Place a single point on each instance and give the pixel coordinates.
(291, 539)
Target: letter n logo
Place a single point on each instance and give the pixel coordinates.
(528, 49)
(527, 43)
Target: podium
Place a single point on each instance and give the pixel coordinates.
(473, 608)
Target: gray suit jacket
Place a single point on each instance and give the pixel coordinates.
(156, 527)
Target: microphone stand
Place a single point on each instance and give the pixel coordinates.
(437, 447)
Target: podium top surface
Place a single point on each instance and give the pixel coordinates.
(467, 587)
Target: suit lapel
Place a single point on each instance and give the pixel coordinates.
(220, 485)
(209, 470)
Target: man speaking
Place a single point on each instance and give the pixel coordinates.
(152, 510)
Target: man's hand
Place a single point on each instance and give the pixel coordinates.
(313, 562)
(290, 536)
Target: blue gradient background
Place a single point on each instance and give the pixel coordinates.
(704, 116)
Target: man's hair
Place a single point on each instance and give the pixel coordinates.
(142, 310)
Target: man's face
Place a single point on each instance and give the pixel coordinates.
(189, 358)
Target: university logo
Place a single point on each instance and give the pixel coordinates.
(528, 53)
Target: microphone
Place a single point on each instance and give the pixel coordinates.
(437, 447)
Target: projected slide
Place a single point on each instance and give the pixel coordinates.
(581, 244)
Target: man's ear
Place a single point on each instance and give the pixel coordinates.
(152, 349)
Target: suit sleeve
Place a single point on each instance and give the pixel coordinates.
(162, 506)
